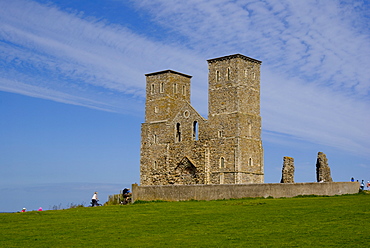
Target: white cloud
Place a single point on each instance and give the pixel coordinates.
(312, 113)
(44, 93)
(315, 78)
(77, 56)
(315, 59)
(305, 38)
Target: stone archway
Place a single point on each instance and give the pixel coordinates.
(186, 172)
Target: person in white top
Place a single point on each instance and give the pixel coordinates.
(94, 199)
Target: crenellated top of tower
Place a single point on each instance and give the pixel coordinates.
(234, 56)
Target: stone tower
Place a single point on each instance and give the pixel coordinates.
(171, 132)
(179, 146)
(166, 92)
(234, 117)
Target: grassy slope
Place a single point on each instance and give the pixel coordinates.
(341, 221)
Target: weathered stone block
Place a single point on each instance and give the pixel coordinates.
(288, 170)
(322, 168)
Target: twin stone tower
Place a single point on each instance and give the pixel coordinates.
(179, 146)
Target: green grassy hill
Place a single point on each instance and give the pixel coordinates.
(338, 221)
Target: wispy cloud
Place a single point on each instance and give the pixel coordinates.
(315, 81)
(315, 40)
(44, 93)
(75, 56)
(315, 114)
(315, 78)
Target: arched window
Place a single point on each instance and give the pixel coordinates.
(222, 162)
(152, 87)
(250, 129)
(178, 133)
(217, 76)
(161, 87)
(175, 88)
(228, 74)
(195, 130)
(250, 162)
(155, 166)
(184, 90)
(154, 138)
(220, 133)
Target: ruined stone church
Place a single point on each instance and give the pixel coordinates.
(179, 146)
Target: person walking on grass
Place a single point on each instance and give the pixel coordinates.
(94, 199)
(362, 185)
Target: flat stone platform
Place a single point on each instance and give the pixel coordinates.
(234, 191)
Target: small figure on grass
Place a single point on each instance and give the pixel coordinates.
(94, 200)
(126, 193)
(23, 210)
(362, 185)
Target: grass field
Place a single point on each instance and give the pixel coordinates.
(337, 221)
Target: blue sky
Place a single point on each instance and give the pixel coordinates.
(72, 86)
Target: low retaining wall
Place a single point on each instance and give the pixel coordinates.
(229, 191)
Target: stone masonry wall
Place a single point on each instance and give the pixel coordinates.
(180, 147)
(234, 191)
